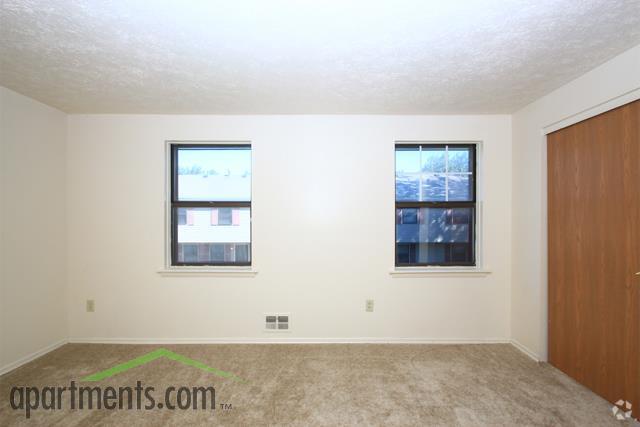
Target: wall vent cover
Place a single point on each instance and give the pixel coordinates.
(276, 322)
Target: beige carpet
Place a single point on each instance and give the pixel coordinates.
(335, 384)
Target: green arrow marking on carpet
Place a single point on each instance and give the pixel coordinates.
(156, 354)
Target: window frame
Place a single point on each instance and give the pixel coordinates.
(174, 204)
(473, 203)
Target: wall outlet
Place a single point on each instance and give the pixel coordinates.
(369, 305)
(91, 306)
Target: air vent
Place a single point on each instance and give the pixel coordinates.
(276, 322)
(271, 322)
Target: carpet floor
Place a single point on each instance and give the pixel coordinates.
(332, 384)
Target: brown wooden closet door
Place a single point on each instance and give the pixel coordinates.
(594, 255)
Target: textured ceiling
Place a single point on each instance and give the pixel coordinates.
(304, 56)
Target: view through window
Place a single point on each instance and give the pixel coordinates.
(211, 204)
(435, 204)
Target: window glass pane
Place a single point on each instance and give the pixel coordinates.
(444, 174)
(441, 236)
(461, 216)
(433, 187)
(407, 173)
(433, 159)
(408, 188)
(204, 239)
(459, 159)
(459, 187)
(217, 174)
(407, 160)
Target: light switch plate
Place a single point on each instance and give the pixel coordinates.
(91, 306)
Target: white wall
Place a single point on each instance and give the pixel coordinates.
(323, 226)
(615, 78)
(323, 232)
(32, 227)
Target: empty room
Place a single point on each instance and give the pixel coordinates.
(332, 213)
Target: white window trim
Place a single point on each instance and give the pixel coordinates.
(208, 271)
(187, 270)
(438, 271)
(479, 269)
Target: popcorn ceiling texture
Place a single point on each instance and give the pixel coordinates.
(243, 57)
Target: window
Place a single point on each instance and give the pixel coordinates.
(435, 205)
(225, 216)
(210, 204)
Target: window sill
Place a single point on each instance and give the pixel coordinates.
(439, 272)
(208, 271)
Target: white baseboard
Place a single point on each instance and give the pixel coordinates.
(286, 340)
(525, 350)
(28, 358)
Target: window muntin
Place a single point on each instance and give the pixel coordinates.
(435, 205)
(210, 205)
